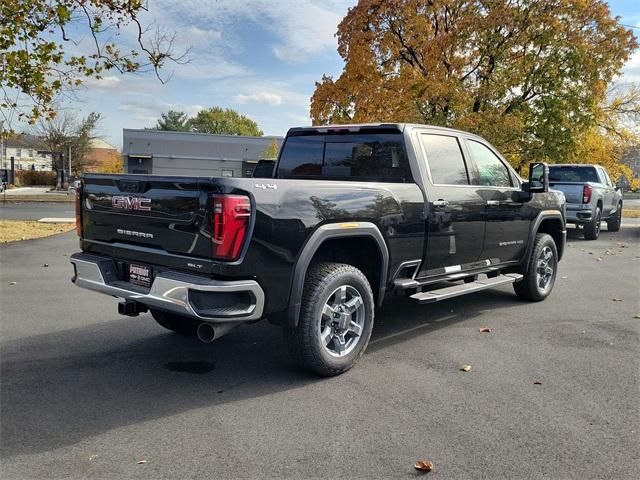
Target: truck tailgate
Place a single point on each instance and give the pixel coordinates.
(164, 213)
(572, 190)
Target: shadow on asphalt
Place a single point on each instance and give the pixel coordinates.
(109, 382)
(82, 382)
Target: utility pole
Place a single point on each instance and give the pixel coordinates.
(2, 144)
(69, 161)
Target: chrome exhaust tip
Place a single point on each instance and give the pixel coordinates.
(206, 333)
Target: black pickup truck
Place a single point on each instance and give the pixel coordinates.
(349, 214)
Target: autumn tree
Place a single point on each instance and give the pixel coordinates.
(173, 121)
(529, 75)
(113, 164)
(43, 51)
(65, 134)
(271, 151)
(223, 121)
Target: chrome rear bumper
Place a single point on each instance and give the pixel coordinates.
(189, 295)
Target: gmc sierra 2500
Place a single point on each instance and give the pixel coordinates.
(350, 213)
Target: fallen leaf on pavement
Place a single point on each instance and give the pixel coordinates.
(45, 265)
(538, 382)
(485, 330)
(12, 283)
(423, 465)
(141, 462)
(636, 316)
(564, 278)
(466, 368)
(616, 299)
(599, 259)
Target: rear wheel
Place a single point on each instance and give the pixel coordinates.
(336, 319)
(175, 323)
(540, 275)
(592, 229)
(613, 224)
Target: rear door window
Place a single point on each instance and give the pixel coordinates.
(445, 160)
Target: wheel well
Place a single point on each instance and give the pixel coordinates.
(599, 204)
(553, 227)
(361, 252)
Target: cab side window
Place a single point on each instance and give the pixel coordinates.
(491, 171)
(445, 160)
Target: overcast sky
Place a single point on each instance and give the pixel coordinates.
(259, 57)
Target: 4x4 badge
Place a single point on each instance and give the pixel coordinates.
(264, 186)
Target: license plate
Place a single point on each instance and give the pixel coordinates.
(140, 275)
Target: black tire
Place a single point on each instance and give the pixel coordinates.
(613, 224)
(592, 229)
(323, 281)
(175, 323)
(529, 288)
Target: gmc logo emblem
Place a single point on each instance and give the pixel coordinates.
(131, 203)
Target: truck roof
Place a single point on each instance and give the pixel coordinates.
(575, 165)
(357, 126)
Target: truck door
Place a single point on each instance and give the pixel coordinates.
(508, 217)
(608, 193)
(455, 210)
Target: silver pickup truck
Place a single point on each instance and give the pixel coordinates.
(591, 197)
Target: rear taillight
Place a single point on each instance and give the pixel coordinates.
(79, 210)
(231, 215)
(586, 194)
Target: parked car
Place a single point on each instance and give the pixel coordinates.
(73, 186)
(591, 197)
(349, 214)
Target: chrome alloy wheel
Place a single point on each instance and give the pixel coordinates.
(545, 268)
(342, 321)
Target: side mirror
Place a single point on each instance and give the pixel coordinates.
(264, 169)
(538, 178)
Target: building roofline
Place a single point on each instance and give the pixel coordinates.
(173, 132)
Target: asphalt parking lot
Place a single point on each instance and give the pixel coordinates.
(36, 211)
(86, 393)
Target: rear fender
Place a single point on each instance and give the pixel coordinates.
(319, 236)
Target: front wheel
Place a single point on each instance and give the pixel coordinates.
(613, 224)
(336, 319)
(540, 275)
(592, 229)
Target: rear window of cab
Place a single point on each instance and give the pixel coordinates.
(359, 157)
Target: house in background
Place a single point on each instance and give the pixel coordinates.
(162, 152)
(28, 151)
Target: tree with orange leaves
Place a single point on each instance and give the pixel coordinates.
(530, 76)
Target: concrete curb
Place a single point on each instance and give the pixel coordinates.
(57, 220)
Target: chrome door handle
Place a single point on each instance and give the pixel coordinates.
(493, 203)
(440, 203)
